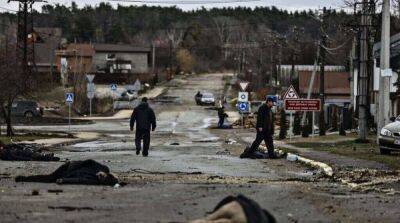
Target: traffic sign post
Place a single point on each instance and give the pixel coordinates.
(90, 89)
(114, 88)
(243, 97)
(69, 98)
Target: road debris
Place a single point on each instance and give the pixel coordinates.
(25, 152)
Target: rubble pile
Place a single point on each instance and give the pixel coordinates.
(249, 122)
(25, 152)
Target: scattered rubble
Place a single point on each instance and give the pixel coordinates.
(26, 152)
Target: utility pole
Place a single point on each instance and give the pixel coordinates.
(322, 130)
(363, 72)
(385, 72)
(153, 61)
(25, 54)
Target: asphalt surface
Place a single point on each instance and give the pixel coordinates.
(191, 167)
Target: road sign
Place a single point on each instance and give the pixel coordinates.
(90, 77)
(303, 105)
(69, 98)
(243, 97)
(244, 85)
(243, 107)
(114, 87)
(291, 93)
(90, 94)
(137, 86)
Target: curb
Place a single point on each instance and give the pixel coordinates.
(325, 168)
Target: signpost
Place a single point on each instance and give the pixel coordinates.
(243, 97)
(244, 85)
(90, 89)
(304, 105)
(290, 94)
(69, 98)
(114, 88)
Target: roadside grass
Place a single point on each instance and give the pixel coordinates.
(366, 151)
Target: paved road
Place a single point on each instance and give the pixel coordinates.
(190, 168)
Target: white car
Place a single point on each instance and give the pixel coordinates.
(207, 99)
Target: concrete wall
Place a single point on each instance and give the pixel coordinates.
(139, 60)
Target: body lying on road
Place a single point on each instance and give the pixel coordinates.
(25, 152)
(87, 172)
(238, 209)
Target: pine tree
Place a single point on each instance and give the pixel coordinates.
(283, 124)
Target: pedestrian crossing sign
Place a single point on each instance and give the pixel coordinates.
(114, 87)
(69, 98)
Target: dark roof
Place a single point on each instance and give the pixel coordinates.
(120, 48)
(50, 38)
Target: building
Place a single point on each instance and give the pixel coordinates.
(116, 58)
(74, 59)
(374, 80)
(110, 62)
(47, 41)
(337, 86)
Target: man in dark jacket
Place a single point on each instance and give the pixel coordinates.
(145, 120)
(265, 128)
(221, 116)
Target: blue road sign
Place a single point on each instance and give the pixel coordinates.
(243, 106)
(69, 98)
(114, 87)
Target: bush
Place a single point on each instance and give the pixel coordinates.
(283, 124)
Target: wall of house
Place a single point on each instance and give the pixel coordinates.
(139, 61)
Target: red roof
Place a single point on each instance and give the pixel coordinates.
(335, 82)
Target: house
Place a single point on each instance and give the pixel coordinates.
(74, 58)
(47, 40)
(337, 86)
(374, 80)
(117, 58)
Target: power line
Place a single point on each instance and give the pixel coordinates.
(186, 2)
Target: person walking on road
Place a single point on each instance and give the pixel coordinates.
(265, 128)
(145, 120)
(221, 115)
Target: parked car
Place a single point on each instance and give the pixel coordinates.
(389, 137)
(207, 99)
(28, 109)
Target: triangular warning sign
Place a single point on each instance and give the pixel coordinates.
(243, 85)
(291, 93)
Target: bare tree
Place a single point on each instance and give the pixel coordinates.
(224, 26)
(14, 81)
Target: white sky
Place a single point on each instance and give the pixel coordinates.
(290, 5)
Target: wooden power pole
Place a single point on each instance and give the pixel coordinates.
(322, 129)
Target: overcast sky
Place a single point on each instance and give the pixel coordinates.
(284, 4)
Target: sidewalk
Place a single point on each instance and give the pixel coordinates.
(337, 161)
(54, 142)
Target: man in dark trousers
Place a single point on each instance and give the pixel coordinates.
(221, 116)
(265, 128)
(145, 120)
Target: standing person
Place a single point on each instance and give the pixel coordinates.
(221, 115)
(145, 120)
(265, 128)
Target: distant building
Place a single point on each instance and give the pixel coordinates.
(47, 41)
(337, 86)
(116, 58)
